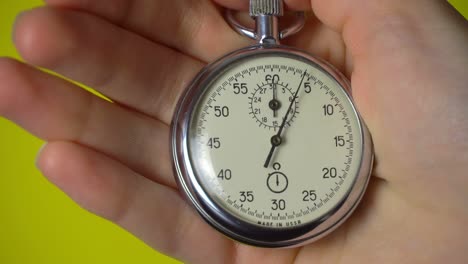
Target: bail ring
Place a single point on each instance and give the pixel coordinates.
(250, 33)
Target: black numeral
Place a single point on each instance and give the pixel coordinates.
(240, 88)
(221, 111)
(329, 173)
(272, 78)
(307, 87)
(214, 143)
(339, 141)
(328, 110)
(278, 204)
(246, 196)
(309, 195)
(225, 174)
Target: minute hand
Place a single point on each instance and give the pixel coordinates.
(276, 139)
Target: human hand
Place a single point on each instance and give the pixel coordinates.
(407, 61)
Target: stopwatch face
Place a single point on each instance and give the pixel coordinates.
(271, 143)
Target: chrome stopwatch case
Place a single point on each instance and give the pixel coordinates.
(267, 143)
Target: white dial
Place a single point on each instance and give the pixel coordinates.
(236, 124)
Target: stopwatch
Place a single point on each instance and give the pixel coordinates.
(267, 143)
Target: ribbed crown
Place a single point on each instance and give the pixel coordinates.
(266, 7)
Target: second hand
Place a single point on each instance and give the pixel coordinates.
(276, 140)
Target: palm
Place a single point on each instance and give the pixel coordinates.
(113, 159)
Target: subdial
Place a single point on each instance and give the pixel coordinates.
(277, 182)
(269, 103)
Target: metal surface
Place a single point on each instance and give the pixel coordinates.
(266, 7)
(267, 29)
(231, 226)
(295, 27)
(266, 14)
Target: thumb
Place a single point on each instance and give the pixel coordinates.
(358, 19)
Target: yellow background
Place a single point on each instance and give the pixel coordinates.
(40, 224)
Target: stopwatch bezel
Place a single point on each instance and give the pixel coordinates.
(214, 214)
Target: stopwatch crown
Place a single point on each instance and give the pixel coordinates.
(266, 7)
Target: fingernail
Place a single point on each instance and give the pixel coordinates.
(39, 155)
(15, 26)
(18, 17)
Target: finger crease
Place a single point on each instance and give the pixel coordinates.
(126, 202)
(86, 117)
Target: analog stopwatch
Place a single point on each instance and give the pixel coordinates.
(267, 143)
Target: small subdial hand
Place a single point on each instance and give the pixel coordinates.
(274, 104)
(277, 139)
(264, 103)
